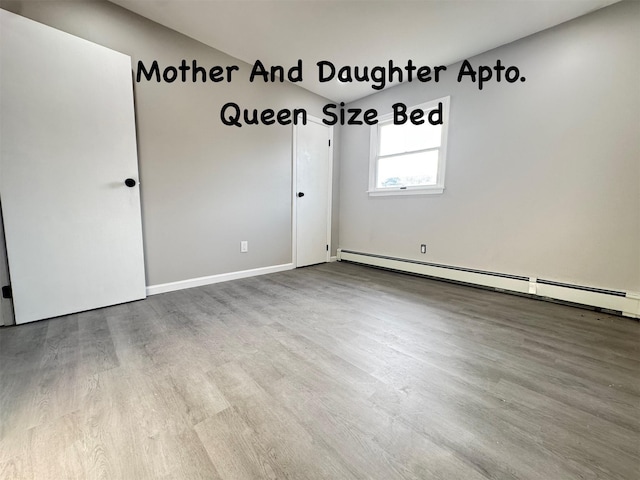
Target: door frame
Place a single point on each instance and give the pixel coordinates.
(294, 190)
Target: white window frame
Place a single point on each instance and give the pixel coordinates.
(438, 188)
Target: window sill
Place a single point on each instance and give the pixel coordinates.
(406, 191)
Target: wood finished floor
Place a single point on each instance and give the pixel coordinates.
(330, 372)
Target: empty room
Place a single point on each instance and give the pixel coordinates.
(320, 239)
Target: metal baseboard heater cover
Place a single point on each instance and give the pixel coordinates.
(625, 303)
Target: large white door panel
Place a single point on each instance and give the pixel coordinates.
(313, 185)
(67, 144)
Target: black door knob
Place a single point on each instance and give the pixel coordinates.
(301, 194)
(130, 182)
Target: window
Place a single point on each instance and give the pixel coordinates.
(409, 159)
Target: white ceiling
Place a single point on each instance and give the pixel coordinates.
(357, 32)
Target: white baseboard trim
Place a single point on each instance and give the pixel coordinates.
(628, 303)
(211, 279)
(333, 259)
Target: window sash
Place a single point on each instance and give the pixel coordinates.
(423, 127)
(422, 170)
(408, 152)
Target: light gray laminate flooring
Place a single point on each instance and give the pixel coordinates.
(336, 371)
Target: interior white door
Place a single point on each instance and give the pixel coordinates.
(6, 306)
(67, 144)
(313, 192)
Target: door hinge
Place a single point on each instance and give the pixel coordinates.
(329, 142)
(7, 292)
(327, 248)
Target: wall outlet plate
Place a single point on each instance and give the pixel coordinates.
(423, 248)
(244, 246)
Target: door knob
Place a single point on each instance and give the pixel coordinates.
(300, 194)
(130, 182)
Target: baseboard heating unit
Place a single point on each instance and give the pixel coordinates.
(624, 303)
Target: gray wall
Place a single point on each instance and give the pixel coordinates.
(543, 177)
(205, 186)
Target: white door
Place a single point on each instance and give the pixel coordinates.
(67, 145)
(6, 307)
(312, 192)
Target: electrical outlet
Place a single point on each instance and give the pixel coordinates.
(423, 248)
(244, 246)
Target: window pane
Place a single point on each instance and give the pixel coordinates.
(408, 170)
(408, 137)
